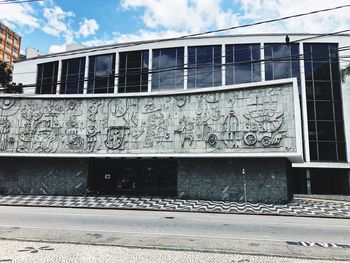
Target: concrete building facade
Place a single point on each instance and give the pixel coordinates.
(10, 45)
(243, 118)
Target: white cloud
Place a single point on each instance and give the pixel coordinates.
(22, 15)
(259, 10)
(138, 36)
(58, 23)
(183, 15)
(88, 27)
(57, 48)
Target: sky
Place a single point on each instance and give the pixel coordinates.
(51, 24)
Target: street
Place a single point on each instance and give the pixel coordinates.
(200, 232)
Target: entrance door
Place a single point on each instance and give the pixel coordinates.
(146, 177)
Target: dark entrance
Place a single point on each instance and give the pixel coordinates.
(155, 177)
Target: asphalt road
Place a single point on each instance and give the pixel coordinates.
(226, 233)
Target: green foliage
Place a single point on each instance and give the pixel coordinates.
(5, 74)
(14, 88)
(345, 72)
(6, 84)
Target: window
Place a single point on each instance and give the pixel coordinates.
(72, 78)
(282, 61)
(101, 74)
(204, 66)
(46, 82)
(133, 71)
(324, 104)
(239, 64)
(168, 68)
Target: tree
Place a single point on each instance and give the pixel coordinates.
(5, 74)
(345, 72)
(6, 84)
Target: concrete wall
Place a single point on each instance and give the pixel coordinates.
(255, 120)
(43, 176)
(222, 179)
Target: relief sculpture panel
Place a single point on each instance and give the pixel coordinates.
(257, 120)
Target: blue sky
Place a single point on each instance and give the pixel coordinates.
(51, 24)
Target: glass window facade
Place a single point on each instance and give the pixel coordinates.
(101, 74)
(282, 61)
(324, 105)
(204, 66)
(168, 69)
(46, 81)
(240, 65)
(72, 78)
(133, 71)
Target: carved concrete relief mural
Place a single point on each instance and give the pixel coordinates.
(254, 120)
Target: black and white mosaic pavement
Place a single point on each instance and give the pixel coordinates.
(297, 207)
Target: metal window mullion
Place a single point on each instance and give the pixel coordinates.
(314, 101)
(304, 112)
(213, 66)
(185, 67)
(223, 63)
(251, 64)
(86, 75)
(333, 106)
(262, 62)
(41, 79)
(195, 67)
(116, 73)
(53, 78)
(126, 72)
(150, 66)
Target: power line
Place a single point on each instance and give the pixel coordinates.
(192, 35)
(280, 59)
(8, 2)
(241, 51)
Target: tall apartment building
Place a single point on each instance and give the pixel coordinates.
(10, 44)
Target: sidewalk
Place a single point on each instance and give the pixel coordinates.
(299, 206)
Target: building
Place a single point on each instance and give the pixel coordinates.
(10, 45)
(243, 118)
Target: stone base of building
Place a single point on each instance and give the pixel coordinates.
(250, 180)
(43, 176)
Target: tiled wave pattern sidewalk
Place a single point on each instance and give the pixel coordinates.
(296, 207)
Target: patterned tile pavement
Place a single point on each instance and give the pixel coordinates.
(297, 207)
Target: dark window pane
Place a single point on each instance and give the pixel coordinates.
(340, 131)
(308, 70)
(323, 90)
(325, 131)
(204, 66)
(324, 110)
(101, 74)
(312, 130)
(321, 70)
(336, 90)
(327, 151)
(310, 110)
(341, 151)
(313, 151)
(283, 60)
(169, 63)
(338, 107)
(320, 52)
(72, 79)
(268, 71)
(47, 78)
(335, 72)
(309, 91)
(241, 69)
(133, 71)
